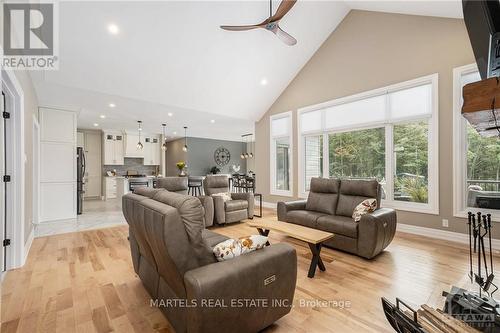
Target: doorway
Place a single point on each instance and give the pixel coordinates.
(13, 245)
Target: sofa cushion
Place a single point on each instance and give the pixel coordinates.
(233, 248)
(353, 192)
(338, 225)
(303, 217)
(226, 196)
(323, 195)
(233, 205)
(365, 207)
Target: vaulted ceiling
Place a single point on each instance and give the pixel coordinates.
(172, 57)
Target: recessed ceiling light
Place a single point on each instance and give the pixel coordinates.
(175, 133)
(112, 105)
(263, 82)
(212, 121)
(96, 124)
(102, 116)
(113, 29)
(170, 114)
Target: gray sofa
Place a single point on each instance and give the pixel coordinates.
(179, 185)
(330, 206)
(172, 255)
(241, 206)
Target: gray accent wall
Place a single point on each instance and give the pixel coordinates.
(200, 156)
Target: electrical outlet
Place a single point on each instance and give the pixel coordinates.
(445, 223)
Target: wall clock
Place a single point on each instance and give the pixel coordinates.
(222, 156)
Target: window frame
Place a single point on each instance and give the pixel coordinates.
(460, 208)
(272, 152)
(432, 206)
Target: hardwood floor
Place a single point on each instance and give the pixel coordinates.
(84, 282)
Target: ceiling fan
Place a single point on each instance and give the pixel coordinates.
(270, 24)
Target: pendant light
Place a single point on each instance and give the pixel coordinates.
(242, 156)
(185, 148)
(246, 147)
(164, 144)
(251, 146)
(139, 144)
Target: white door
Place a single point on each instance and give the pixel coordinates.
(3, 225)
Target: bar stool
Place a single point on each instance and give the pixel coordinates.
(195, 186)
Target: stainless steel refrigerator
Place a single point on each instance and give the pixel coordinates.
(80, 172)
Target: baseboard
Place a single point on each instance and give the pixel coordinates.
(27, 245)
(442, 234)
(269, 204)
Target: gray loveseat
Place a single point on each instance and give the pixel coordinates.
(330, 206)
(172, 255)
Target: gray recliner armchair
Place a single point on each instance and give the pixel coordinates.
(172, 255)
(330, 206)
(240, 207)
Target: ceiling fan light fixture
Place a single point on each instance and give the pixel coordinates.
(271, 24)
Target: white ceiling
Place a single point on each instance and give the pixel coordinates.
(173, 57)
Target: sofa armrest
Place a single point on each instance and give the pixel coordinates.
(285, 207)
(248, 197)
(268, 275)
(376, 231)
(208, 204)
(219, 210)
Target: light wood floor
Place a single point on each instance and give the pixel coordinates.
(84, 282)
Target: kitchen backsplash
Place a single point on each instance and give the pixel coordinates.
(134, 164)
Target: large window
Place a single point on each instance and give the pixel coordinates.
(388, 134)
(476, 158)
(281, 151)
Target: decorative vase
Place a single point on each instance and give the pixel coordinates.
(182, 174)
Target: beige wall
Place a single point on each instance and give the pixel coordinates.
(371, 50)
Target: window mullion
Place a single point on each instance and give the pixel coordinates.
(389, 162)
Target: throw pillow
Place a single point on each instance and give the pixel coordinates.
(233, 248)
(367, 206)
(226, 196)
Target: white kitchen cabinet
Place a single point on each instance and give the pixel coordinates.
(152, 150)
(113, 149)
(131, 150)
(110, 187)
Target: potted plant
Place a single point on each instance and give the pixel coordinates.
(181, 165)
(214, 170)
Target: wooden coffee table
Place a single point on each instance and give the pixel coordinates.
(313, 237)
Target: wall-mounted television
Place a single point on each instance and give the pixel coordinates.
(482, 19)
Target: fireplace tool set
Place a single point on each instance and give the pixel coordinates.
(478, 309)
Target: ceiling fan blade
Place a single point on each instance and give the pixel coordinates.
(239, 27)
(284, 36)
(283, 8)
